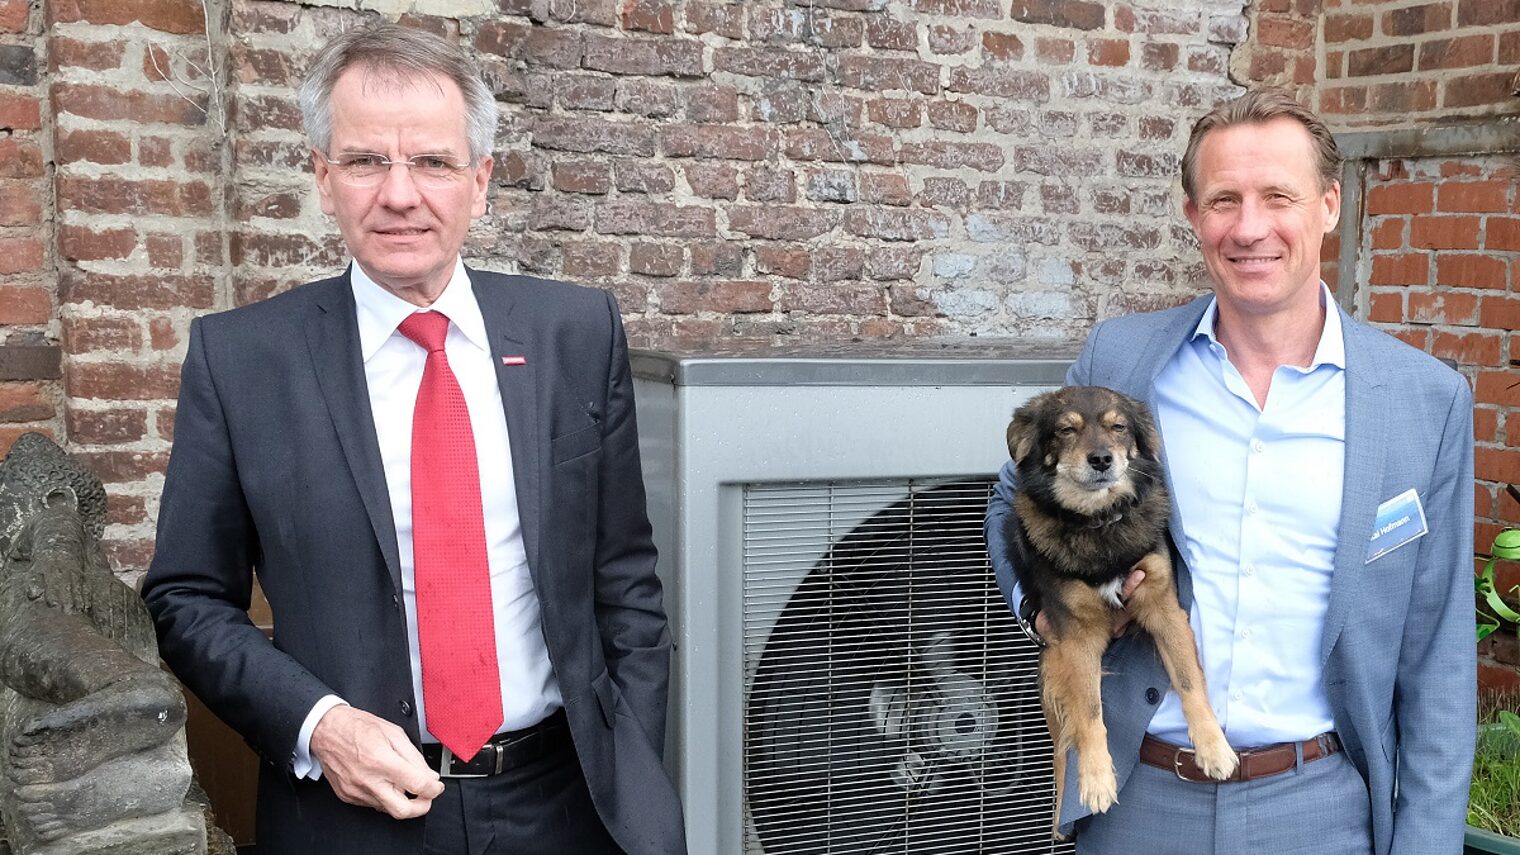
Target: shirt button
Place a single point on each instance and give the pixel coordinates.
(1249, 569)
(1258, 446)
(1245, 633)
(1251, 507)
(1152, 696)
(1237, 696)
(406, 708)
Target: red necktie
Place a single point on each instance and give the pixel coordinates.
(461, 685)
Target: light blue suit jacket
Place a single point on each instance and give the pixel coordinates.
(1400, 664)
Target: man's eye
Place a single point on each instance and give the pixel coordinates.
(362, 161)
(433, 162)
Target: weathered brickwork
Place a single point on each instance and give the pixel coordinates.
(824, 170)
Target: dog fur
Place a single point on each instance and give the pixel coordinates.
(1091, 505)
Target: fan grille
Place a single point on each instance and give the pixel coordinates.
(891, 705)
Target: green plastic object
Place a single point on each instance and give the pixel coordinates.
(1480, 842)
(1507, 545)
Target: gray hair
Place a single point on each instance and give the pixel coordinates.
(404, 54)
(1257, 107)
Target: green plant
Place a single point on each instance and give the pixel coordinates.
(1493, 802)
(1506, 547)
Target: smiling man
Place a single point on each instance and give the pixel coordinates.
(434, 472)
(1321, 473)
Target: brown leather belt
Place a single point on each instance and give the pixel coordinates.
(1254, 762)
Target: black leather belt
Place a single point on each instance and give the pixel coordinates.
(504, 751)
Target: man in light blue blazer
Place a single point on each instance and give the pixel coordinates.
(1321, 473)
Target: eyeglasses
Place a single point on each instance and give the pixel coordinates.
(364, 169)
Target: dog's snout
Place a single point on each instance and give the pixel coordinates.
(1100, 460)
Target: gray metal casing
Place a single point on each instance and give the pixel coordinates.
(711, 423)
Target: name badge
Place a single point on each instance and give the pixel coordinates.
(1399, 520)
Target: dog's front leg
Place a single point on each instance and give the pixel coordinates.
(1154, 605)
(1072, 668)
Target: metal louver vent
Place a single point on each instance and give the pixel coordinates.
(890, 704)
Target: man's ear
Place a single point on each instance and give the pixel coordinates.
(1332, 201)
(323, 174)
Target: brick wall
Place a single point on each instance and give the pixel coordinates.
(1401, 62)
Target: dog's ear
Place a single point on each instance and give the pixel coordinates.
(1147, 438)
(1021, 431)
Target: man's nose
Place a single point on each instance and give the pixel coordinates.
(1251, 223)
(399, 190)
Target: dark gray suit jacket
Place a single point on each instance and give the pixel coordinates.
(276, 470)
(1400, 665)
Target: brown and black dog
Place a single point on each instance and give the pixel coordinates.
(1090, 506)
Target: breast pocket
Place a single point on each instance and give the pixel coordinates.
(575, 444)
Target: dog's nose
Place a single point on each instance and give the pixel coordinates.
(1100, 460)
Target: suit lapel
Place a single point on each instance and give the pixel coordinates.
(1362, 480)
(332, 335)
(1154, 356)
(511, 336)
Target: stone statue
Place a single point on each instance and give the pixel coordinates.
(92, 730)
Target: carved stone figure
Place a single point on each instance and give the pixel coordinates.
(92, 730)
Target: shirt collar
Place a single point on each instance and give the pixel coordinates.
(380, 312)
(1331, 349)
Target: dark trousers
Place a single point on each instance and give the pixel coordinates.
(539, 808)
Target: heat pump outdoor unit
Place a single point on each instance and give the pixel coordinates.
(847, 679)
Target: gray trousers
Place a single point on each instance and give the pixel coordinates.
(1319, 808)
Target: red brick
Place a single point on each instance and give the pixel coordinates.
(20, 112)
(652, 57)
(106, 195)
(96, 56)
(895, 112)
(724, 19)
(9, 435)
(582, 176)
(1108, 52)
(1412, 97)
(1075, 14)
(134, 292)
(1345, 27)
(1444, 233)
(882, 74)
(638, 217)
(169, 16)
(108, 104)
(885, 189)
(19, 255)
(1459, 52)
(20, 204)
(952, 116)
(885, 33)
(711, 180)
(84, 335)
(106, 427)
(1501, 313)
(1503, 234)
(1469, 271)
(1389, 59)
(1002, 46)
(1475, 197)
(1284, 32)
(1481, 13)
(780, 222)
(770, 63)
(1407, 269)
(1478, 90)
(1443, 308)
(1417, 20)
(788, 260)
(1485, 429)
(94, 146)
(820, 144)
(163, 334)
(125, 510)
(24, 402)
(655, 259)
(109, 381)
(1055, 51)
(13, 15)
(738, 297)
(1343, 100)
(77, 243)
(166, 252)
(944, 154)
(1388, 234)
(1497, 464)
(123, 467)
(892, 224)
(1386, 307)
(809, 299)
(727, 143)
(1498, 387)
(1509, 48)
(716, 259)
(649, 16)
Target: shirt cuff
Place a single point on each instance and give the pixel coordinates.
(302, 763)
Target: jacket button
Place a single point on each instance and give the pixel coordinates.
(1152, 696)
(406, 708)
(395, 601)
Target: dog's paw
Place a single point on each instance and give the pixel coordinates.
(1097, 785)
(1214, 758)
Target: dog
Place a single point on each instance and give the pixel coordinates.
(1091, 506)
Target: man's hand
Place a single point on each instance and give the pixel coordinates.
(368, 761)
(1122, 617)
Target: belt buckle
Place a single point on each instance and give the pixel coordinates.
(1177, 765)
(446, 765)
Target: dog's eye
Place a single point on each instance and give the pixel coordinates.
(1066, 430)
(1119, 427)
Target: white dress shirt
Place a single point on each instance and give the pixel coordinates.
(1259, 492)
(393, 367)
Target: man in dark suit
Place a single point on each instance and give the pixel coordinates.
(434, 472)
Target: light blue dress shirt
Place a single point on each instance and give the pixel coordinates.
(1259, 494)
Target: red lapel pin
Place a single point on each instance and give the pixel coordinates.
(514, 360)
